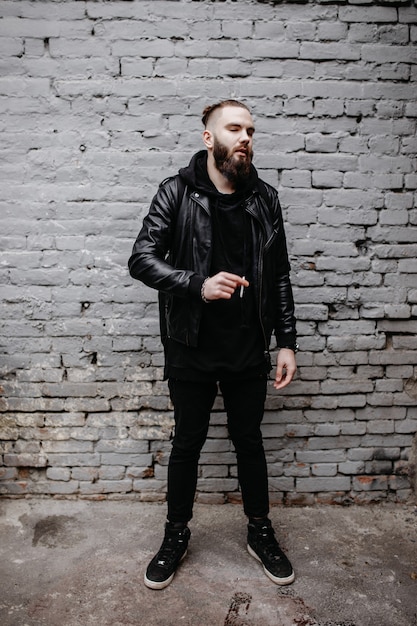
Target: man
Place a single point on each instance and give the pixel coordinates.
(213, 245)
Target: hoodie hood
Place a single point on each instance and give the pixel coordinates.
(195, 175)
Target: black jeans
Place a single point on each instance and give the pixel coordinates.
(244, 402)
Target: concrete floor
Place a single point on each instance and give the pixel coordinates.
(81, 563)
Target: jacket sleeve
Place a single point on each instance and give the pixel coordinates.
(285, 322)
(285, 328)
(149, 261)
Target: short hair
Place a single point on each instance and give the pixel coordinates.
(207, 112)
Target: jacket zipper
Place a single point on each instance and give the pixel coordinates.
(196, 197)
(260, 267)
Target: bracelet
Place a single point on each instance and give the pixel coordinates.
(294, 347)
(203, 297)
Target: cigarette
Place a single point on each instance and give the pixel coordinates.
(241, 289)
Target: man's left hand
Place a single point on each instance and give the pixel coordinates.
(286, 368)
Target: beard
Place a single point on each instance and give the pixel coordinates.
(233, 167)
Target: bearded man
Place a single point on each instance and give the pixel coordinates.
(213, 245)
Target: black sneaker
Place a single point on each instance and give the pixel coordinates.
(161, 569)
(263, 546)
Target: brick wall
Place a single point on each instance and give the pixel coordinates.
(101, 100)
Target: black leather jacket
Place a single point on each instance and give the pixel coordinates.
(174, 246)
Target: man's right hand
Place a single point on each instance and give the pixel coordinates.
(222, 286)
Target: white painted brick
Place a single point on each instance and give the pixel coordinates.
(324, 469)
(325, 51)
(368, 14)
(58, 473)
(120, 87)
(315, 484)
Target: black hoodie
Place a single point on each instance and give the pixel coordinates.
(230, 339)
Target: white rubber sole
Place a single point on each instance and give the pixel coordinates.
(278, 581)
(151, 584)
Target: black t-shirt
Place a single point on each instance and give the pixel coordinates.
(230, 341)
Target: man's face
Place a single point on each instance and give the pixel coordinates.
(232, 142)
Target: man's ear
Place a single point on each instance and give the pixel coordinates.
(207, 138)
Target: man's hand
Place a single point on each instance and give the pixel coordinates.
(223, 285)
(286, 368)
